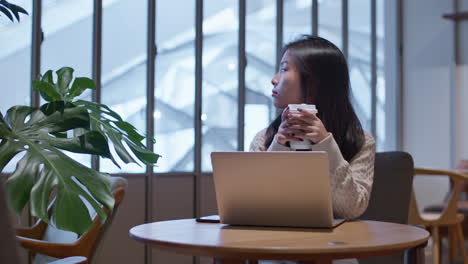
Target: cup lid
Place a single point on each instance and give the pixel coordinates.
(309, 107)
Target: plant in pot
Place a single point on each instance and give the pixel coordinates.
(42, 134)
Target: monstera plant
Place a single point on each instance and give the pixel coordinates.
(40, 136)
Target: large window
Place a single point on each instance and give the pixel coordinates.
(383, 105)
(175, 86)
(123, 79)
(359, 60)
(68, 43)
(261, 56)
(185, 140)
(330, 20)
(220, 81)
(297, 19)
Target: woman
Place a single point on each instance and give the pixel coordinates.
(314, 71)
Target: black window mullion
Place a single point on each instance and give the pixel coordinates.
(97, 49)
(36, 39)
(97, 61)
(150, 106)
(198, 110)
(151, 54)
(315, 17)
(279, 31)
(198, 101)
(241, 76)
(345, 27)
(374, 66)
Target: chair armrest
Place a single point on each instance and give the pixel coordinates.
(452, 174)
(456, 179)
(56, 250)
(71, 260)
(35, 232)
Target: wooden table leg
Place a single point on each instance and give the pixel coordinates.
(415, 255)
(461, 242)
(435, 245)
(452, 243)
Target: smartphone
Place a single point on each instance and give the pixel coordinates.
(208, 219)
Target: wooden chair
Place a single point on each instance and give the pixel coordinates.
(8, 243)
(462, 203)
(48, 243)
(448, 218)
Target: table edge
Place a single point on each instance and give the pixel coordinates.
(255, 253)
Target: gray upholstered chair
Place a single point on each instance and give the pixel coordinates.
(49, 243)
(391, 195)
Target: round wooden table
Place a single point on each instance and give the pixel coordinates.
(235, 244)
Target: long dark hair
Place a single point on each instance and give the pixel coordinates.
(325, 82)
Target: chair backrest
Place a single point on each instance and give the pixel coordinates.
(87, 244)
(8, 244)
(391, 190)
(390, 196)
(449, 212)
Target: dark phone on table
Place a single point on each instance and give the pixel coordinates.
(208, 219)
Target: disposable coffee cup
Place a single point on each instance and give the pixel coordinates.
(304, 144)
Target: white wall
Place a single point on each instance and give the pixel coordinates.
(462, 96)
(429, 94)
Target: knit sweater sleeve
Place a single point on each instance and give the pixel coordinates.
(351, 182)
(258, 142)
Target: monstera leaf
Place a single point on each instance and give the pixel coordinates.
(110, 124)
(61, 91)
(102, 119)
(29, 130)
(64, 123)
(11, 10)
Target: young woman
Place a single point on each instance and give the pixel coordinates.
(314, 71)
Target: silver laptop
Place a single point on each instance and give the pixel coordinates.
(290, 189)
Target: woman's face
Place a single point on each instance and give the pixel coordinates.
(286, 83)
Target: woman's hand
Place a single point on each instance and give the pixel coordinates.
(306, 125)
(285, 134)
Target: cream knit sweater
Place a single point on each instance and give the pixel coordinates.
(351, 182)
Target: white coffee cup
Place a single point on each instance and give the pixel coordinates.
(304, 144)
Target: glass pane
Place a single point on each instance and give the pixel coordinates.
(330, 20)
(260, 52)
(124, 67)
(297, 19)
(220, 85)
(68, 27)
(175, 85)
(359, 59)
(15, 58)
(15, 64)
(381, 89)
